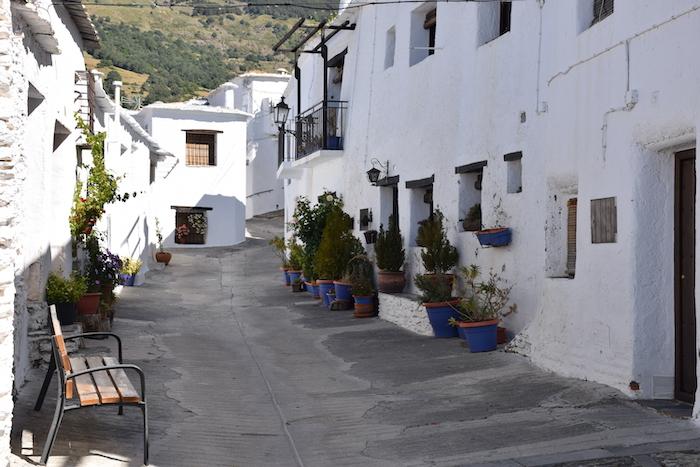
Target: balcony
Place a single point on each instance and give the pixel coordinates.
(313, 135)
(310, 146)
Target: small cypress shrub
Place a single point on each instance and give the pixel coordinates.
(438, 255)
(389, 247)
(338, 246)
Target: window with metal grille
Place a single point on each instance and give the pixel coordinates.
(602, 9)
(505, 18)
(571, 207)
(430, 24)
(201, 148)
(603, 220)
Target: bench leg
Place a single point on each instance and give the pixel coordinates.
(51, 438)
(144, 409)
(45, 386)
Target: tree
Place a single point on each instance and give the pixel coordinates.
(112, 76)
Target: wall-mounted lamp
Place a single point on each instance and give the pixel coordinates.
(281, 112)
(374, 173)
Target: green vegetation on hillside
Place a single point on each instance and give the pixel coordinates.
(186, 51)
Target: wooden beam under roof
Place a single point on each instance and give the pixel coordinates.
(288, 34)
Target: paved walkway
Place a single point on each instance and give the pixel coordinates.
(243, 372)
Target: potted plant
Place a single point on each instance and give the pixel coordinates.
(472, 221)
(65, 293)
(370, 236)
(162, 256)
(360, 275)
(439, 304)
(338, 245)
(479, 313)
(439, 257)
(130, 267)
(295, 264)
(498, 235)
(280, 249)
(390, 256)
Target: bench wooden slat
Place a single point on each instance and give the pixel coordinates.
(105, 387)
(61, 346)
(87, 392)
(122, 382)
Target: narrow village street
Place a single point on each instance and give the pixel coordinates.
(242, 372)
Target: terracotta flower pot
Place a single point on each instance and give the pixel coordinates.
(89, 303)
(164, 257)
(391, 282)
(364, 306)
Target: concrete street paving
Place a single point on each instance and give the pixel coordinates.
(241, 372)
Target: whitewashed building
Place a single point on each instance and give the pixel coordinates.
(41, 63)
(142, 165)
(208, 179)
(256, 93)
(572, 123)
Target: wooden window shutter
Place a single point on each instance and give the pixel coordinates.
(571, 206)
(201, 149)
(603, 220)
(602, 9)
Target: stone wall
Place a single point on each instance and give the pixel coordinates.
(405, 311)
(11, 119)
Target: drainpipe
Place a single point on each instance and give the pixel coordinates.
(324, 54)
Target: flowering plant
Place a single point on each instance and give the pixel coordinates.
(159, 236)
(131, 266)
(198, 222)
(102, 267)
(182, 231)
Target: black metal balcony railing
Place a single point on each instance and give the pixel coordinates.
(312, 135)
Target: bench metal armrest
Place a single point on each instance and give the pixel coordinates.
(95, 335)
(123, 366)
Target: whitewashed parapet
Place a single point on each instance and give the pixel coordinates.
(405, 311)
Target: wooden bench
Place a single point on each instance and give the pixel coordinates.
(92, 381)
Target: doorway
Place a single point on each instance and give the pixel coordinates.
(685, 330)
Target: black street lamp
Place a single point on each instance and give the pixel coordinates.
(373, 175)
(281, 112)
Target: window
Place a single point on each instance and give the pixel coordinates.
(430, 24)
(505, 18)
(602, 9)
(494, 20)
(423, 33)
(515, 171)
(191, 225)
(571, 208)
(421, 203)
(390, 49)
(603, 220)
(470, 181)
(201, 148)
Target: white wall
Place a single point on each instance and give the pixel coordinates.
(221, 187)
(256, 93)
(613, 322)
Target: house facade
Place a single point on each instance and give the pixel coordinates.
(256, 93)
(41, 61)
(205, 188)
(573, 127)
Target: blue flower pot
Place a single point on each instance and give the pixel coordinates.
(334, 142)
(323, 289)
(330, 298)
(127, 279)
(314, 291)
(343, 291)
(287, 281)
(495, 237)
(294, 276)
(364, 300)
(439, 315)
(481, 337)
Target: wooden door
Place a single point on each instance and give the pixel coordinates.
(686, 350)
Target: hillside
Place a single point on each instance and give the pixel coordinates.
(185, 51)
